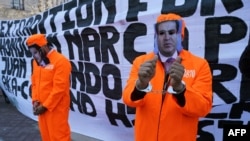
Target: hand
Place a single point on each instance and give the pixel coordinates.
(40, 110)
(176, 73)
(146, 73)
(35, 105)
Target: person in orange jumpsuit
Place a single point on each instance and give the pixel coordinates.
(50, 89)
(169, 96)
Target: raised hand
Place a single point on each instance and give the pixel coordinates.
(146, 72)
(176, 73)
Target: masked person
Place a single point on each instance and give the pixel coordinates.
(50, 89)
(169, 98)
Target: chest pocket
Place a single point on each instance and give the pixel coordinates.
(47, 73)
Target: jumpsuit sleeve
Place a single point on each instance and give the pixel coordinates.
(33, 82)
(131, 96)
(61, 80)
(137, 95)
(180, 98)
(198, 95)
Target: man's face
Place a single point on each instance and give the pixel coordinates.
(36, 54)
(167, 38)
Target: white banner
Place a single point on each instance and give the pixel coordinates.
(102, 38)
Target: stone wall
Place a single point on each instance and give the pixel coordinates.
(31, 7)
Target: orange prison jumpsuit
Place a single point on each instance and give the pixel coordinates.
(51, 87)
(167, 121)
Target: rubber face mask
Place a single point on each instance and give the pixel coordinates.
(45, 60)
(39, 55)
(179, 39)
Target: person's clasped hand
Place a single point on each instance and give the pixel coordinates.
(176, 73)
(35, 105)
(146, 72)
(38, 108)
